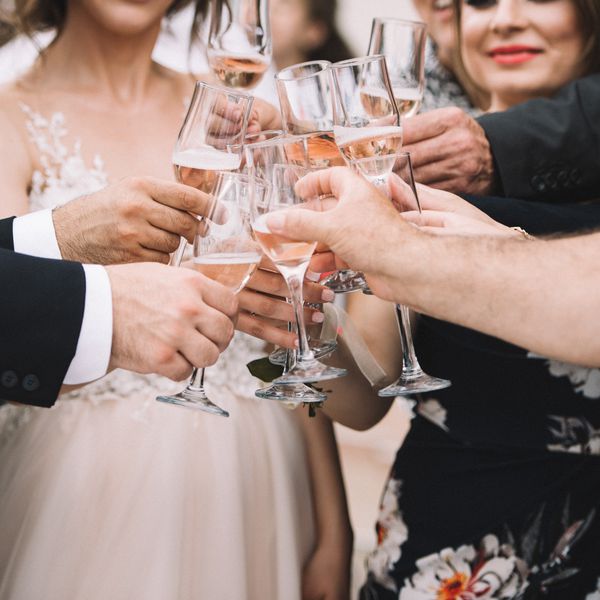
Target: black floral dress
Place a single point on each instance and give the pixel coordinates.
(495, 493)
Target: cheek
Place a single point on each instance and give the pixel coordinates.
(474, 25)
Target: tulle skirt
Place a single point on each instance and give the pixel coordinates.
(128, 499)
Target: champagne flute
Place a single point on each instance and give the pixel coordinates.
(210, 140)
(413, 380)
(309, 151)
(367, 122)
(306, 97)
(291, 259)
(239, 42)
(403, 45)
(225, 251)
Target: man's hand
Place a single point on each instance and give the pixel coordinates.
(138, 219)
(264, 311)
(167, 321)
(355, 221)
(449, 151)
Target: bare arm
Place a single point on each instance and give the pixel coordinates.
(543, 295)
(353, 402)
(15, 164)
(327, 574)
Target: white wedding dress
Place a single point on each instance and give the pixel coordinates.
(111, 495)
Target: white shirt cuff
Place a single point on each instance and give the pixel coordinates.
(34, 234)
(95, 339)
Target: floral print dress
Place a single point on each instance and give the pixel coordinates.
(495, 493)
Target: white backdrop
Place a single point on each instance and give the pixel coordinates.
(355, 18)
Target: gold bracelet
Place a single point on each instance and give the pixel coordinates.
(525, 235)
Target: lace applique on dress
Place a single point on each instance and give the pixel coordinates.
(63, 177)
(64, 174)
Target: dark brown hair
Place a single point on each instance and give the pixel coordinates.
(29, 17)
(334, 48)
(588, 17)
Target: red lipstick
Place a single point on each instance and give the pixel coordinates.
(513, 55)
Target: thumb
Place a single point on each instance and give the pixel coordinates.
(298, 224)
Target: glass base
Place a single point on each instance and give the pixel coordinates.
(310, 371)
(345, 281)
(418, 383)
(320, 348)
(194, 399)
(291, 393)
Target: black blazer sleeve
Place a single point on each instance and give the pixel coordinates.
(6, 233)
(549, 149)
(41, 311)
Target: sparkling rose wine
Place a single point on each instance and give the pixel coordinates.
(376, 103)
(233, 270)
(320, 149)
(236, 71)
(282, 251)
(197, 167)
(408, 101)
(364, 142)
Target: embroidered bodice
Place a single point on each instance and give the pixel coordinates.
(64, 175)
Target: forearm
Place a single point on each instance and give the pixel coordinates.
(352, 401)
(541, 295)
(329, 495)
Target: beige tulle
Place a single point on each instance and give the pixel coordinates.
(128, 499)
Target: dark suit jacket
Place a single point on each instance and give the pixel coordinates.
(549, 149)
(41, 311)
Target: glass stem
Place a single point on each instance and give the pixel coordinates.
(295, 285)
(197, 380)
(410, 364)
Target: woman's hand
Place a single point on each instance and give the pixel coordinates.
(264, 311)
(326, 575)
(264, 117)
(452, 223)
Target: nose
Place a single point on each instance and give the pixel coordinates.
(509, 17)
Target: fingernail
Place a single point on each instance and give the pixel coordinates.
(318, 317)
(312, 276)
(328, 295)
(275, 221)
(296, 343)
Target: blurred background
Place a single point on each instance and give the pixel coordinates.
(366, 456)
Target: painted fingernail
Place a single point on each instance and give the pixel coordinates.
(318, 317)
(312, 276)
(327, 295)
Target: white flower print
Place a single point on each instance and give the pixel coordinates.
(433, 411)
(596, 594)
(586, 381)
(491, 573)
(573, 434)
(392, 532)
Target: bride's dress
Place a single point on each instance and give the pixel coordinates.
(111, 495)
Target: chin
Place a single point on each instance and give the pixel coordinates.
(126, 17)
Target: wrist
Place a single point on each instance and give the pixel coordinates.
(60, 219)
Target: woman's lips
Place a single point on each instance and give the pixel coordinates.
(512, 55)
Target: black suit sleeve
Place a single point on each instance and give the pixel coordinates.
(6, 233)
(41, 311)
(549, 149)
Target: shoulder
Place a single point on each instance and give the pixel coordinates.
(13, 119)
(181, 83)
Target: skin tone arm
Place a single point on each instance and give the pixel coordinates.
(326, 575)
(352, 401)
(503, 287)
